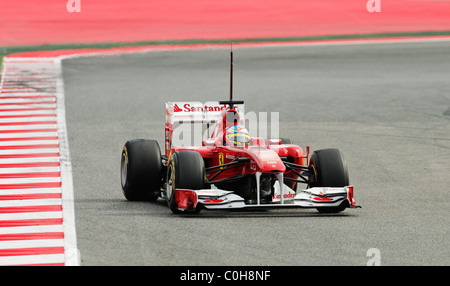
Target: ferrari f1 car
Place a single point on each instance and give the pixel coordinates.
(230, 169)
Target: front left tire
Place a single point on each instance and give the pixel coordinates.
(329, 169)
(186, 170)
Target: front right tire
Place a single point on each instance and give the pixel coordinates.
(141, 170)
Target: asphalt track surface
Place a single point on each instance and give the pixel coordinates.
(386, 106)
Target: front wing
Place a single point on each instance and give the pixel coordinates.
(217, 199)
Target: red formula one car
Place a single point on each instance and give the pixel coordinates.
(229, 169)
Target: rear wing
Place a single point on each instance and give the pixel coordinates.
(198, 112)
(195, 112)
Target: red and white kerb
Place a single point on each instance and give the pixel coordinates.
(33, 230)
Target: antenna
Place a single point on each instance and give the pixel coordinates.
(231, 102)
(231, 73)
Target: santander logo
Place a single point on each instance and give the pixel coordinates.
(204, 108)
(285, 196)
(176, 108)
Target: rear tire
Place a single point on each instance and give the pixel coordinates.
(141, 176)
(330, 170)
(186, 170)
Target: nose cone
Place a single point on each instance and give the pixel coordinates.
(273, 166)
(268, 161)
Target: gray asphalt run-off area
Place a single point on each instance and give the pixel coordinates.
(384, 105)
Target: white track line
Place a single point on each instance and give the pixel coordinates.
(70, 240)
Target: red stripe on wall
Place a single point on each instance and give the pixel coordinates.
(33, 155)
(31, 209)
(30, 196)
(31, 222)
(28, 103)
(42, 264)
(27, 123)
(30, 175)
(29, 130)
(23, 91)
(28, 109)
(30, 186)
(39, 146)
(30, 138)
(30, 236)
(28, 97)
(27, 115)
(30, 165)
(32, 251)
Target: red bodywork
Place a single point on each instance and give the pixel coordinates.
(263, 173)
(264, 157)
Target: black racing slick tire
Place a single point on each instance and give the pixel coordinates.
(141, 170)
(186, 170)
(329, 169)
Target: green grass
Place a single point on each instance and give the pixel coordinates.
(17, 49)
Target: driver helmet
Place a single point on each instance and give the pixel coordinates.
(237, 136)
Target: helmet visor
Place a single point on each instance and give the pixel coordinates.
(239, 138)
